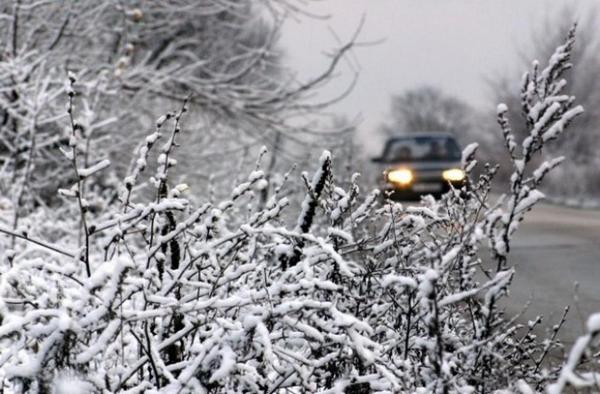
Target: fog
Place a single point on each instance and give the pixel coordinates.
(454, 45)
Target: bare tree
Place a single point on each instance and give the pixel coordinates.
(428, 109)
(132, 59)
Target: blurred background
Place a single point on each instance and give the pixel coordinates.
(294, 76)
(432, 65)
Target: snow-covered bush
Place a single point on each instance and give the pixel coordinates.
(156, 294)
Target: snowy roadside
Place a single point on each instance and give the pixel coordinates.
(556, 258)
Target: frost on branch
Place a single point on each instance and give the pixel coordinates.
(547, 111)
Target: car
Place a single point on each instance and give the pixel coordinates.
(417, 164)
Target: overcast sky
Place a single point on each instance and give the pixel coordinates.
(452, 44)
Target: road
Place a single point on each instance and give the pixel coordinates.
(554, 249)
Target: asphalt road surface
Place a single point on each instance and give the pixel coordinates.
(556, 255)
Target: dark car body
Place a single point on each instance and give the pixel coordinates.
(433, 160)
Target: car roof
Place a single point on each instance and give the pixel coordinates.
(421, 134)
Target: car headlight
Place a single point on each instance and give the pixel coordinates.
(400, 176)
(454, 175)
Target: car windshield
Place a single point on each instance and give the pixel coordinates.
(421, 148)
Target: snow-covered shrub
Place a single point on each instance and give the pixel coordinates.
(345, 296)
